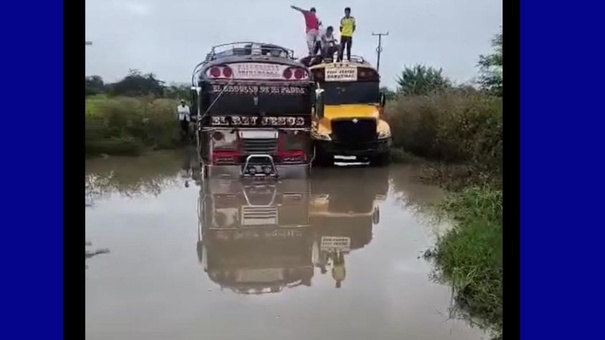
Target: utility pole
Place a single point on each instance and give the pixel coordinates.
(379, 48)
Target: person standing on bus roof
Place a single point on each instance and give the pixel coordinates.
(347, 27)
(329, 45)
(312, 24)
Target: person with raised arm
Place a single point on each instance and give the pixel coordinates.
(312, 24)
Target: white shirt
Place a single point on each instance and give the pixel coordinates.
(184, 113)
(327, 39)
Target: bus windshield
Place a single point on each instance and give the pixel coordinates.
(340, 93)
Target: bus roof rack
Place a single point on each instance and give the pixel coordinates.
(243, 48)
(358, 59)
(311, 61)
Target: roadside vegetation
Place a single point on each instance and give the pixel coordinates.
(456, 131)
(131, 116)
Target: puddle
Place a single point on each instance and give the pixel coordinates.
(335, 257)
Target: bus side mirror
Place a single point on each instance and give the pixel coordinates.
(383, 99)
(319, 103)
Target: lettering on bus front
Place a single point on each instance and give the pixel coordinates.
(256, 70)
(341, 73)
(253, 89)
(257, 121)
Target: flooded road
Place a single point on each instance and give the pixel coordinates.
(335, 257)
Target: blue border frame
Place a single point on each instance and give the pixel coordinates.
(32, 250)
(562, 186)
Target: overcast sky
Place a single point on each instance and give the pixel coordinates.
(169, 37)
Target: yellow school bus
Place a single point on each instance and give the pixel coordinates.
(350, 126)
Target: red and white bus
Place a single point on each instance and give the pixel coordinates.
(254, 104)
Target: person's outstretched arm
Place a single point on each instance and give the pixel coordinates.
(297, 8)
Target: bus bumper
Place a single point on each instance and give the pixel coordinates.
(362, 150)
(235, 172)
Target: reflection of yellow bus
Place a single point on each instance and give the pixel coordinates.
(350, 126)
(341, 224)
(344, 224)
(343, 214)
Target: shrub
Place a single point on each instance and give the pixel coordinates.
(450, 127)
(122, 125)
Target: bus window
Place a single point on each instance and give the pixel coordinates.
(342, 93)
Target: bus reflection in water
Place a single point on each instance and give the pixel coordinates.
(255, 238)
(261, 237)
(343, 215)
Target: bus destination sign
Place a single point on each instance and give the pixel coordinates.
(341, 73)
(269, 121)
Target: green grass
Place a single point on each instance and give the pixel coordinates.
(470, 256)
(130, 126)
(457, 135)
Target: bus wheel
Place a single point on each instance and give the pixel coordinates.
(381, 159)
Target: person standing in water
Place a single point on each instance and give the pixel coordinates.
(347, 27)
(312, 24)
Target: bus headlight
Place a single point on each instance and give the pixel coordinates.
(384, 134)
(320, 136)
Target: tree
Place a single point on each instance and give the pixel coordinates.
(177, 91)
(490, 68)
(94, 85)
(422, 80)
(138, 84)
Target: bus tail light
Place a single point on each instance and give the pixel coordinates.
(367, 74)
(318, 74)
(295, 73)
(220, 72)
(225, 147)
(291, 147)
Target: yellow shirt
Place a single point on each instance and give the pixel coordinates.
(339, 272)
(347, 26)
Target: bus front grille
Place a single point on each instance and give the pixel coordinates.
(259, 145)
(354, 131)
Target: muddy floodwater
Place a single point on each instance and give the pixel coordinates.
(335, 257)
